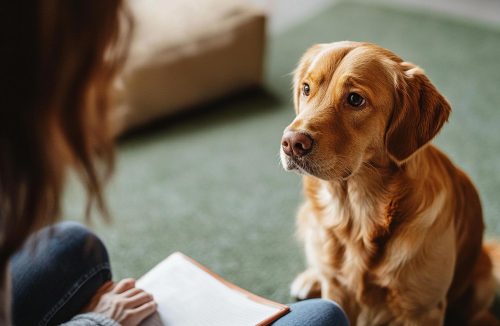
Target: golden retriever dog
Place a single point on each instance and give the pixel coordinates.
(392, 230)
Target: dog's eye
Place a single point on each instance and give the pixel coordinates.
(306, 89)
(355, 100)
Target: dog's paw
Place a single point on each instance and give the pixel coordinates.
(306, 286)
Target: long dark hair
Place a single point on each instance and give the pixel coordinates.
(59, 62)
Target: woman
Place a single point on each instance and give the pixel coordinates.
(59, 60)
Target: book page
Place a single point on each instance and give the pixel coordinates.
(189, 296)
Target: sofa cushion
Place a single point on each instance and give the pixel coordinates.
(187, 52)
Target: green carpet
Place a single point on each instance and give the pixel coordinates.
(210, 184)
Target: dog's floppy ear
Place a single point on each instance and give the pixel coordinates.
(419, 113)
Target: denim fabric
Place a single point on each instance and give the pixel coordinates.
(56, 274)
(314, 312)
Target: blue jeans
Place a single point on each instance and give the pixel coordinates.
(314, 312)
(55, 280)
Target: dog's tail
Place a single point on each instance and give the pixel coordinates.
(492, 248)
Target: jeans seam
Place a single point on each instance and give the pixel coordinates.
(72, 291)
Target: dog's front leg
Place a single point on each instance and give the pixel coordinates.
(306, 285)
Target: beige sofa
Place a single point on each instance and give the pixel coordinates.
(187, 52)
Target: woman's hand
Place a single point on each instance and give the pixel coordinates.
(122, 302)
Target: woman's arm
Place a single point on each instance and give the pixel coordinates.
(91, 318)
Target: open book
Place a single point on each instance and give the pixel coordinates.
(188, 294)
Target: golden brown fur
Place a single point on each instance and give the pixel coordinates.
(392, 229)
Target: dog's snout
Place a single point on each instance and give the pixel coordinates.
(296, 143)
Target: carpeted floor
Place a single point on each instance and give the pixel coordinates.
(210, 184)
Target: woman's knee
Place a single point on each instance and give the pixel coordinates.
(314, 312)
(331, 313)
(71, 265)
(76, 242)
(66, 244)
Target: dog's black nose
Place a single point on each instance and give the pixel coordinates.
(296, 143)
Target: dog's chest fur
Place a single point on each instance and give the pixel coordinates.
(347, 237)
(358, 242)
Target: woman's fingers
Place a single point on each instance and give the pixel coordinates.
(125, 303)
(131, 292)
(124, 285)
(139, 300)
(142, 312)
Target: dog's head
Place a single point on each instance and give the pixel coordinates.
(357, 102)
